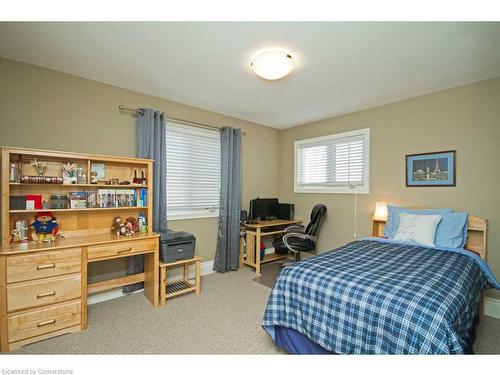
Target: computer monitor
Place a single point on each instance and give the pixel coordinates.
(264, 208)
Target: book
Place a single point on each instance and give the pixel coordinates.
(78, 199)
(142, 200)
(115, 198)
(92, 199)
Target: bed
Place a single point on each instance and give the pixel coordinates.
(378, 296)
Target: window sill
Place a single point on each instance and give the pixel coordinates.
(342, 190)
(192, 216)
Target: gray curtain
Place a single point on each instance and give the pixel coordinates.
(151, 143)
(227, 253)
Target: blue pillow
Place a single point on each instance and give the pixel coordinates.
(452, 230)
(393, 212)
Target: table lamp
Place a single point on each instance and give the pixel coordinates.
(380, 211)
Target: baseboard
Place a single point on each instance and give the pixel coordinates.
(108, 295)
(206, 268)
(492, 307)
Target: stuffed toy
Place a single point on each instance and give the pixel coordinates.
(130, 226)
(117, 225)
(46, 226)
(126, 230)
(132, 223)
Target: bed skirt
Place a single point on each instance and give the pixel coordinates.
(296, 343)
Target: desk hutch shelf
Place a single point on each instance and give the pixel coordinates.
(43, 285)
(76, 219)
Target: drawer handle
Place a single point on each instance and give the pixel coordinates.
(46, 323)
(48, 294)
(45, 266)
(124, 250)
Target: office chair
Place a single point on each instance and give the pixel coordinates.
(297, 238)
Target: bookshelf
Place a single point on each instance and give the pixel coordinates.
(78, 209)
(115, 172)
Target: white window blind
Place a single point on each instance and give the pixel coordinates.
(193, 171)
(336, 163)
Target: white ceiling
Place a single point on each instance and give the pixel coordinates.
(341, 67)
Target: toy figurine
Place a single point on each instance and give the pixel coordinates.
(117, 225)
(14, 236)
(46, 226)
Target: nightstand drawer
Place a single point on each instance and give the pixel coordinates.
(43, 292)
(43, 264)
(44, 320)
(120, 249)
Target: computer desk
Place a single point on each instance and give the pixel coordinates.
(253, 234)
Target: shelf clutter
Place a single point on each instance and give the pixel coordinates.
(102, 198)
(85, 191)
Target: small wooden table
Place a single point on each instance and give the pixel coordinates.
(254, 233)
(182, 286)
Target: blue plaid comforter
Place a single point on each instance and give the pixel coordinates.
(371, 297)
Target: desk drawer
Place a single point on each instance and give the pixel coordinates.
(44, 264)
(44, 320)
(120, 249)
(43, 292)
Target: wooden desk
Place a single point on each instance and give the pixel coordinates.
(254, 233)
(43, 288)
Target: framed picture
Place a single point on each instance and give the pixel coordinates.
(431, 169)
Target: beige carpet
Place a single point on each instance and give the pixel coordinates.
(225, 319)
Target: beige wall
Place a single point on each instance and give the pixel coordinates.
(46, 109)
(465, 119)
(41, 108)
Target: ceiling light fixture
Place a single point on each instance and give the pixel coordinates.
(272, 64)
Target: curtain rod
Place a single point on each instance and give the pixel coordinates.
(138, 112)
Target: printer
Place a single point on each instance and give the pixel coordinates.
(176, 245)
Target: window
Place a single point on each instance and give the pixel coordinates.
(335, 163)
(193, 171)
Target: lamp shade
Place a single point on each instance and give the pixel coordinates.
(272, 64)
(380, 211)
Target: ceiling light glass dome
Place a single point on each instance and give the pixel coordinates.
(272, 64)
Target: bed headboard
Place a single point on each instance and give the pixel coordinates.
(476, 234)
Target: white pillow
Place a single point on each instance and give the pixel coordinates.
(418, 229)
